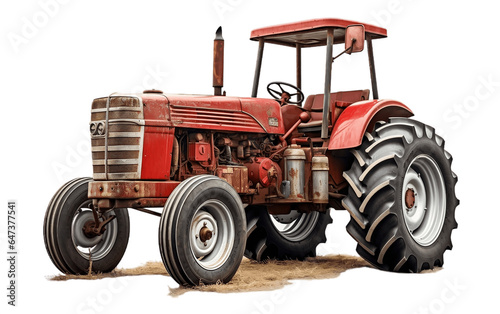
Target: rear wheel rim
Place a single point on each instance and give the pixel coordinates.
(211, 234)
(299, 229)
(424, 200)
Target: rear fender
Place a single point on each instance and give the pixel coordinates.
(360, 117)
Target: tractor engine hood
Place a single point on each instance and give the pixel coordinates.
(223, 113)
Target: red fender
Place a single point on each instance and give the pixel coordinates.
(360, 117)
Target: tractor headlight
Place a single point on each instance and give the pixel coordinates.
(93, 128)
(100, 128)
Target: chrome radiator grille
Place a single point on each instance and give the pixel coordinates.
(117, 130)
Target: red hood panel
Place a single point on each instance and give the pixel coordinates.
(226, 113)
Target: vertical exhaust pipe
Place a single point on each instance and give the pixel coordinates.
(218, 76)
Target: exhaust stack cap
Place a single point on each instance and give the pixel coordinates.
(218, 34)
(218, 70)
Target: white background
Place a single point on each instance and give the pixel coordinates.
(440, 58)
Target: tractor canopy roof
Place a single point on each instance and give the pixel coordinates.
(311, 33)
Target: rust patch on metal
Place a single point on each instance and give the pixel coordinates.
(130, 189)
(205, 234)
(237, 176)
(410, 198)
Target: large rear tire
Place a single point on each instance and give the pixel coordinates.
(69, 248)
(292, 236)
(402, 197)
(202, 231)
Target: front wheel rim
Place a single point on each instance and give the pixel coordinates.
(212, 234)
(96, 247)
(424, 200)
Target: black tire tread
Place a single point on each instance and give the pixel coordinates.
(169, 226)
(264, 241)
(63, 257)
(371, 197)
(51, 220)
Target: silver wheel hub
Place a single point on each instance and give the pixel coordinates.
(424, 200)
(211, 234)
(79, 236)
(98, 246)
(203, 234)
(415, 191)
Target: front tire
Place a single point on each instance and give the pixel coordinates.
(402, 197)
(202, 231)
(68, 247)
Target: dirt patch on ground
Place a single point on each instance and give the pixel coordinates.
(150, 268)
(251, 276)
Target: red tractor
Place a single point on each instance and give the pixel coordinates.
(256, 177)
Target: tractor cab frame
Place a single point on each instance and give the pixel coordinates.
(314, 33)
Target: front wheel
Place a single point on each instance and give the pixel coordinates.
(202, 231)
(402, 197)
(71, 248)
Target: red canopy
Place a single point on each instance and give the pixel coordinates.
(312, 32)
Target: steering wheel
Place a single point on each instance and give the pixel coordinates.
(284, 96)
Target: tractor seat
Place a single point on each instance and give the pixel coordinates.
(338, 102)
